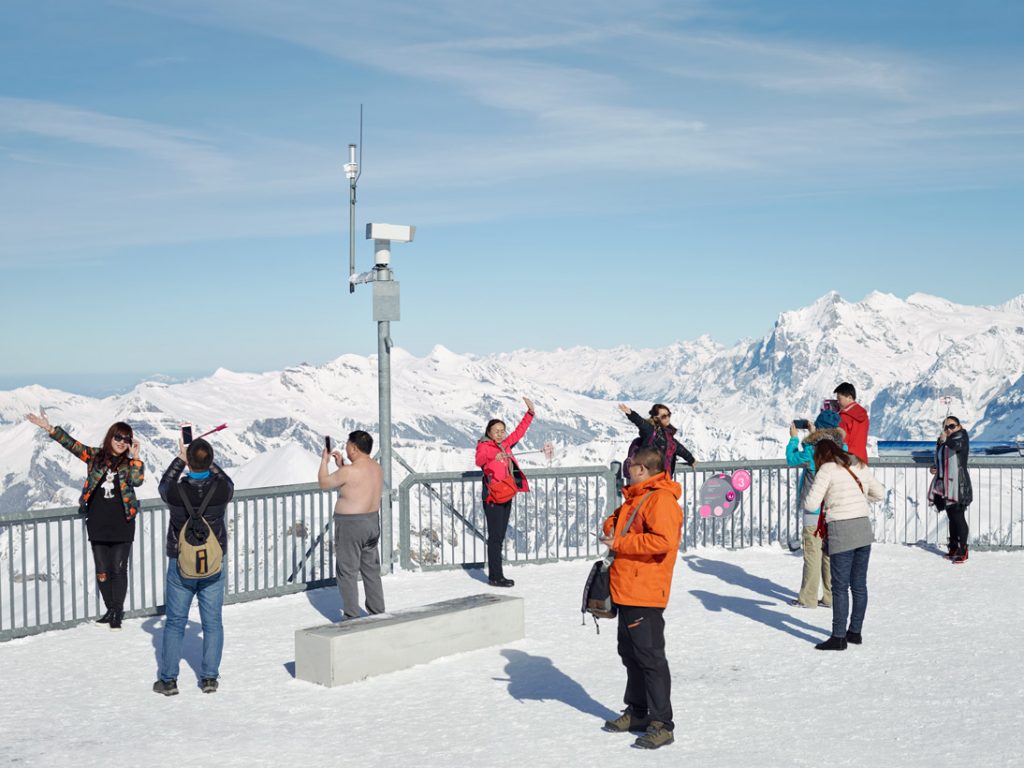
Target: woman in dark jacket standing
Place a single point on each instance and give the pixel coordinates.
(502, 480)
(109, 504)
(658, 433)
(951, 487)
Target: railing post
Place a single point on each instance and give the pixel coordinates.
(404, 537)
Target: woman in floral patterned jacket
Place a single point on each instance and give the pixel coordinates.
(109, 504)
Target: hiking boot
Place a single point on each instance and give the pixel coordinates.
(115, 619)
(208, 684)
(656, 736)
(960, 557)
(105, 618)
(501, 582)
(832, 644)
(629, 720)
(854, 637)
(166, 687)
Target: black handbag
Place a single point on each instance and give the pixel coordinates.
(597, 592)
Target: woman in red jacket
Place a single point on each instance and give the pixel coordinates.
(502, 480)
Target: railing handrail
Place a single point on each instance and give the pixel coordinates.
(54, 513)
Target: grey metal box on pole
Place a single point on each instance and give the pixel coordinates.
(386, 301)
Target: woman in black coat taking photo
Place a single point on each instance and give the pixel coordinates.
(108, 501)
(951, 487)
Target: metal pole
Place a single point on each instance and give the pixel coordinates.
(352, 233)
(384, 422)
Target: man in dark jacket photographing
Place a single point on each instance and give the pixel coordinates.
(207, 490)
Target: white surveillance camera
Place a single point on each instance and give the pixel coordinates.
(400, 233)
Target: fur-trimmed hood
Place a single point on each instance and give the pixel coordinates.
(836, 435)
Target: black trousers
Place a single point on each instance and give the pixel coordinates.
(642, 650)
(497, 521)
(958, 529)
(111, 559)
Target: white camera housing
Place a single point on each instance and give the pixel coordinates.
(401, 233)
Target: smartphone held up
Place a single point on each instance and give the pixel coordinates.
(186, 433)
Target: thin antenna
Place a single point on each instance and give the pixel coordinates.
(353, 170)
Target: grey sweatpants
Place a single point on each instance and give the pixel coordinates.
(355, 548)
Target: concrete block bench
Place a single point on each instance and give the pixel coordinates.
(355, 649)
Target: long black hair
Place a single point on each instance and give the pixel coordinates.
(106, 455)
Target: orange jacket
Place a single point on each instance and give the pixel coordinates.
(645, 557)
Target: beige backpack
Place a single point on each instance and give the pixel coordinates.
(199, 552)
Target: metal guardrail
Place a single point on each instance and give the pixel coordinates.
(442, 524)
(280, 539)
(47, 578)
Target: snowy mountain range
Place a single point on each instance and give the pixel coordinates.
(729, 402)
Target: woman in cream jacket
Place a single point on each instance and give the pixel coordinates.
(843, 487)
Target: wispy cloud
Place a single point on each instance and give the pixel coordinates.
(183, 151)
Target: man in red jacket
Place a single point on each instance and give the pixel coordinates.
(853, 420)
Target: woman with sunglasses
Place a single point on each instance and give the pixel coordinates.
(951, 488)
(108, 501)
(658, 433)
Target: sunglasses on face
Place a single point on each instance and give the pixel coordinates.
(664, 415)
(950, 427)
(123, 438)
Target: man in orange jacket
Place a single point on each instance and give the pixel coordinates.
(641, 579)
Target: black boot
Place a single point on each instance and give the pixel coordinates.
(115, 619)
(501, 582)
(105, 618)
(854, 637)
(832, 644)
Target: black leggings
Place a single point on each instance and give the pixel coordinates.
(111, 559)
(958, 529)
(497, 522)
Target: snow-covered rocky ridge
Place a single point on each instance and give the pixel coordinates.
(728, 402)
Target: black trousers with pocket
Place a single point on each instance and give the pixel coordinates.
(642, 650)
(497, 522)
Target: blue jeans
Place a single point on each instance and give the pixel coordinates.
(177, 601)
(849, 574)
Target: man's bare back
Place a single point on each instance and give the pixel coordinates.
(359, 484)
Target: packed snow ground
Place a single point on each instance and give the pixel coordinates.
(939, 680)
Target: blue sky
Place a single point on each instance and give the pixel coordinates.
(584, 172)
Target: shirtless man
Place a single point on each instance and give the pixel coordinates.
(356, 522)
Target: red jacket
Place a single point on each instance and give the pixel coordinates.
(645, 557)
(487, 454)
(854, 421)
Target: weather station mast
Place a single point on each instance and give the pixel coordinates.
(385, 310)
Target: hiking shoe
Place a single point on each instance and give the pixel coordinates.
(854, 637)
(656, 736)
(823, 604)
(105, 618)
(832, 644)
(629, 720)
(166, 687)
(115, 619)
(208, 684)
(501, 582)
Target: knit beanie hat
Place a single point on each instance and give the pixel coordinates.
(827, 420)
